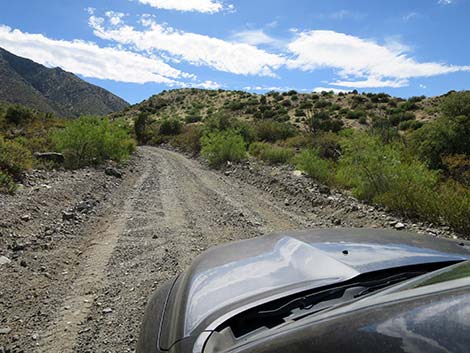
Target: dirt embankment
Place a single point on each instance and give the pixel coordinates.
(85, 250)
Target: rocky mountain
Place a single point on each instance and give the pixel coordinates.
(53, 90)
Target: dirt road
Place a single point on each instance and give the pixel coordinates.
(87, 292)
(162, 218)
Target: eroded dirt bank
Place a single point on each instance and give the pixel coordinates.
(84, 250)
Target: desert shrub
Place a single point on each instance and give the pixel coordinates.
(18, 115)
(315, 167)
(410, 125)
(270, 153)
(354, 114)
(363, 120)
(90, 141)
(383, 173)
(7, 184)
(454, 206)
(14, 158)
(298, 142)
(456, 104)
(220, 147)
(457, 166)
(270, 130)
(440, 137)
(140, 127)
(328, 145)
(192, 118)
(246, 129)
(322, 104)
(170, 127)
(189, 140)
(321, 121)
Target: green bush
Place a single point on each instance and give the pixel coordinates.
(18, 114)
(220, 147)
(270, 153)
(271, 131)
(454, 206)
(7, 184)
(315, 167)
(90, 141)
(456, 104)
(321, 121)
(384, 174)
(189, 140)
(170, 127)
(441, 137)
(14, 158)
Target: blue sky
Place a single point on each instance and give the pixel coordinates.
(136, 48)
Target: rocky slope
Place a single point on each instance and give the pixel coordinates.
(357, 110)
(25, 82)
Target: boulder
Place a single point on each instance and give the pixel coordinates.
(113, 172)
(50, 156)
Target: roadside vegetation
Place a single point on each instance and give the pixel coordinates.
(86, 141)
(416, 168)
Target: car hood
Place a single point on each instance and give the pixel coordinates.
(233, 277)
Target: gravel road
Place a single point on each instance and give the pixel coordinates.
(87, 293)
(156, 222)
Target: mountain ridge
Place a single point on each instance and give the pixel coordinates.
(52, 90)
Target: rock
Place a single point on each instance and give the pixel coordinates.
(286, 202)
(107, 310)
(5, 330)
(324, 189)
(26, 217)
(67, 216)
(113, 172)
(23, 263)
(400, 226)
(50, 156)
(35, 337)
(227, 172)
(4, 260)
(297, 173)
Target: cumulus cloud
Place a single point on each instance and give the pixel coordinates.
(90, 60)
(196, 49)
(366, 62)
(205, 6)
(254, 37)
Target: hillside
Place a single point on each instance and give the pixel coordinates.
(353, 109)
(52, 89)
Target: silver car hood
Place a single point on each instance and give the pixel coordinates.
(232, 277)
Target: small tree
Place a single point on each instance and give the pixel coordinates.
(140, 127)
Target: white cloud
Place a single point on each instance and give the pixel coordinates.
(88, 59)
(372, 82)
(255, 37)
(409, 16)
(197, 49)
(209, 85)
(115, 18)
(422, 86)
(445, 2)
(205, 6)
(329, 89)
(360, 62)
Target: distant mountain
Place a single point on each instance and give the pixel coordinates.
(25, 82)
